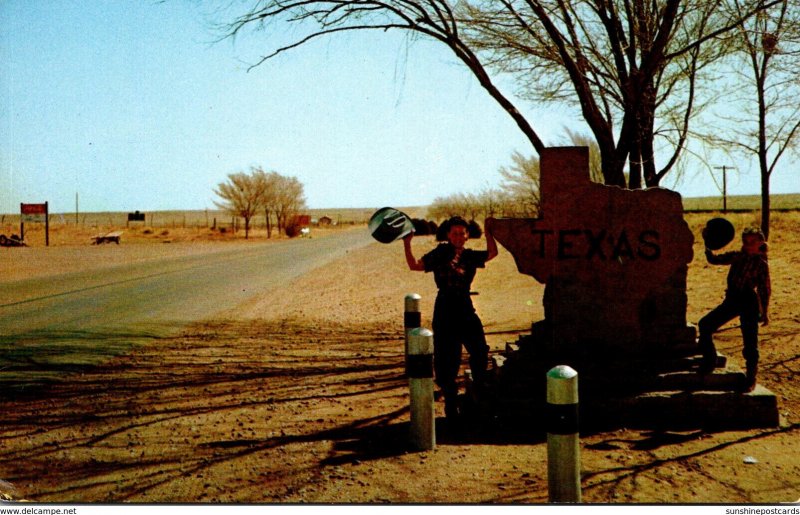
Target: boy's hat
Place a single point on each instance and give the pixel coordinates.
(388, 224)
(754, 231)
(718, 233)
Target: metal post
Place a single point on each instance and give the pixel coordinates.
(563, 444)
(412, 318)
(725, 169)
(419, 368)
(724, 190)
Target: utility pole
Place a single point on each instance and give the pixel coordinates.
(724, 185)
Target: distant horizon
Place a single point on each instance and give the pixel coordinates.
(731, 198)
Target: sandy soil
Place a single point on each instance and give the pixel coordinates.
(71, 248)
(302, 399)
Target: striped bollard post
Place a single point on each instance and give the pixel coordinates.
(563, 443)
(412, 317)
(419, 368)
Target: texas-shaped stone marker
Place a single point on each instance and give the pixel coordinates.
(614, 261)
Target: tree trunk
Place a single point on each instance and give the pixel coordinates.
(651, 178)
(765, 204)
(246, 227)
(646, 124)
(269, 224)
(635, 165)
(612, 168)
(613, 157)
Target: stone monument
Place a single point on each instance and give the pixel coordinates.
(614, 263)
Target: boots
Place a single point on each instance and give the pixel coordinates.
(750, 377)
(707, 364)
(709, 353)
(451, 405)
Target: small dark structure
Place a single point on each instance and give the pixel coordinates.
(112, 237)
(324, 220)
(11, 241)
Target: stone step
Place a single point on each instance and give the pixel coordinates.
(721, 379)
(529, 343)
(727, 379)
(624, 391)
(702, 408)
(636, 368)
(666, 409)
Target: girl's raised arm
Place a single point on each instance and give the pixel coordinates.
(413, 263)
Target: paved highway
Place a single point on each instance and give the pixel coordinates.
(119, 306)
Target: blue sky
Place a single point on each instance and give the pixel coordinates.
(132, 105)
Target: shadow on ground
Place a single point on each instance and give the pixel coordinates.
(239, 412)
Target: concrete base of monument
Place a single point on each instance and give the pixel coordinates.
(663, 344)
(617, 391)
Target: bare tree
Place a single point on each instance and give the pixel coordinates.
(241, 196)
(519, 193)
(245, 195)
(436, 19)
(269, 184)
(491, 201)
(456, 204)
(595, 162)
(631, 67)
(766, 121)
(521, 183)
(289, 199)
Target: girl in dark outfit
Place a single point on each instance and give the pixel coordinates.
(454, 319)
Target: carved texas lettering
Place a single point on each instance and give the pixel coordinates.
(566, 243)
(570, 244)
(614, 260)
(595, 244)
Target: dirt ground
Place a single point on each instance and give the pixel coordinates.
(302, 399)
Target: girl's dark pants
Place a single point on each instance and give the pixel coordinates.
(743, 304)
(455, 323)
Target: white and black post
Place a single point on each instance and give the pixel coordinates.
(419, 368)
(412, 317)
(563, 443)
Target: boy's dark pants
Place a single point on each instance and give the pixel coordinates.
(455, 323)
(743, 304)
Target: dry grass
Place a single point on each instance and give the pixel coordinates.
(302, 399)
(738, 202)
(190, 219)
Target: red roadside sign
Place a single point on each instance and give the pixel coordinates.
(33, 209)
(34, 213)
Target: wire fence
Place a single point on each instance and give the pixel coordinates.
(203, 219)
